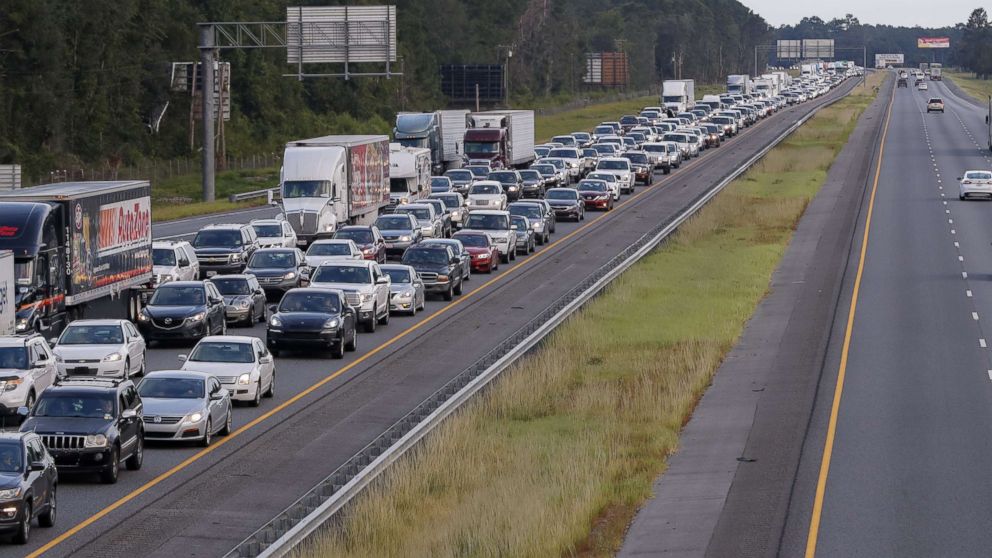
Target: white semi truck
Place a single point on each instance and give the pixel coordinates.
(409, 174)
(678, 95)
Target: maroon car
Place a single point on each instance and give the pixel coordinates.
(595, 194)
(485, 255)
(368, 238)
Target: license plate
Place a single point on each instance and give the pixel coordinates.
(211, 273)
(301, 242)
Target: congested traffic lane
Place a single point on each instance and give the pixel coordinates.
(211, 499)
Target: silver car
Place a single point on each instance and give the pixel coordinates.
(406, 292)
(182, 406)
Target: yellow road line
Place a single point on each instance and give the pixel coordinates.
(821, 483)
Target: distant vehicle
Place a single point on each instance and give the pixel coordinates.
(678, 95)
(274, 233)
(29, 368)
(525, 240)
(185, 406)
(567, 141)
(100, 348)
(975, 183)
(311, 318)
(406, 290)
(461, 179)
(441, 132)
(440, 184)
(409, 174)
(504, 138)
(567, 203)
(935, 104)
(30, 484)
(321, 251)
(365, 288)
(550, 175)
(622, 168)
(368, 238)
(485, 255)
(279, 269)
(173, 261)
(439, 268)
(241, 363)
(595, 194)
(183, 310)
(496, 224)
(922, 86)
(244, 298)
(486, 194)
(401, 231)
(224, 249)
(480, 171)
(612, 180)
(441, 210)
(582, 139)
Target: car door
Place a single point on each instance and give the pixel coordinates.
(127, 426)
(135, 345)
(43, 369)
(184, 267)
(39, 481)
(194, 262)
(381, 290)
(266, 364)
(217, 406)
(257, 295)
(215, 309)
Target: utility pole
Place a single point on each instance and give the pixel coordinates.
(207, 90)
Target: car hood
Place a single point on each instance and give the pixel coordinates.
(472, 197)
(585, 193)
(429, 268)
(314, 261)
(216, 251)
(75, 352)
(10, 480)
(562, 203)
(399, 288)
(231, 299)
(171, 407)
(268, 271)
(396, 232)
(532, 181)
(271, 242)
(501, 234)
(65, 425)
(172, 311)
(346, 287)
(219, 368)
(164, 270)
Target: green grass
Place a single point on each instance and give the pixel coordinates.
(980, 89)
(558, 455)
(179, 197)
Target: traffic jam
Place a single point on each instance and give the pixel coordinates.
(370, 229)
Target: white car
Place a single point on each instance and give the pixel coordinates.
(330, 250)
(274, 233)
(243, 365)
(27, 368)
(486, 194)
(496, 225)
(975, 183)
(430, 222)
(620, 167)
(572, 158)
(112, 348)
(365, 287)
(174, 261)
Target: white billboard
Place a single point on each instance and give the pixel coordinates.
(340, 34)
(789, 49)
(885, 60)
(818, 48)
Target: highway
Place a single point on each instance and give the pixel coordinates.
(896, 459)
(191, 502)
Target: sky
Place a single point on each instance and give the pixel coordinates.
(905, 13)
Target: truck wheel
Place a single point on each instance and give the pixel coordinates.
(384, 320)
(370, 324)
(458, 289)
(110, 473)
(449, 294)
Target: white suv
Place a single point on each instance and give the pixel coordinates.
(365, 287)
(496, 225)
(274, 233)
(174, 261)
(27, 368)
(619, 167)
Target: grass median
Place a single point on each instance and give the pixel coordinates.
(558, 455)
(980, 89)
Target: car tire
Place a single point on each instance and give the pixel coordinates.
(258, 394)
(449, 294)
(353, 345)
(47, 518)
(223, 326)
(127, 368)
(505, 258)
(458, 289)
(271, 392)
(144, 360)
(24, 527)
(337, 349)
(29, 402)
(513, 253)
(371, 323)
(226, 431)
(110, 473)
(138, 457)
(384, 320)
(207, 434)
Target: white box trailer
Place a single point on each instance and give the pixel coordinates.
(452, 135)
(501, 137)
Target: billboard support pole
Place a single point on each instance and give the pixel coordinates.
(207, 106)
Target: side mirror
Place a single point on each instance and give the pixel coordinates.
(37, 466)
(129, 414)
(265, 360)
(382, 281)
(456, 260)
(54, 340)
(40, 363)
(183, 357)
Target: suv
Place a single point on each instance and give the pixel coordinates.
(224, 249)
(622, 168)
(173, 261)
(439, 268)
(365, 287)
(28, 482)
(513, 184)
(90, 425)
(368, 238)
(427, 216)
(935, 104)
(274, 233)
(27, 368)
(183, 310)
(278, 269)
(496, 224)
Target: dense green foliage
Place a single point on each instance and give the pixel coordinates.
(80, 81)
(975, 49)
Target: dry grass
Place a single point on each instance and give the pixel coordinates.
(556, 457)
(980, 89)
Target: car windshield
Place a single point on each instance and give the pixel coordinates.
(279, 260)
(637, 157)
(487, 222)
(171, 388)
(935, 100)
(168, 295)
(222, 351)
(604, 149)
(360, 237)
(581, 136)
(526, 211)
(400, 276)
(310, 301)
(66, 405)
(614, 165)
(544, 169)
(478, 172)
(421, 213)
(562, 195)
(487, 189)
(450, 201)
(393, 222)
(92, 335)
(503, 176)
(231, 287)
(676, 138)
(459, 175)
(163, 256)
(593, 186)
(566, 153)
(329, 249)
(603, 176)
(438, 182)
(268, 231)
(399, 186)
(588, 152)
(602, 130)
(473, 240)
(519, 221)
(628, 120)
(217, 239)
(11, 456)
(342, 274)
(14, 358)
(425, 256)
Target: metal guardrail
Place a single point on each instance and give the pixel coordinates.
(268, 193)
(298, 521)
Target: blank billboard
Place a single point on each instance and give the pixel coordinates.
(789, 50)
(340, 34)
(458, 82)
(818, 48)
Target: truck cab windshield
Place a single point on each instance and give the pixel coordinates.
(413, 142)
(399, 185)
(24, 271)
(481, 147)
(306, 189)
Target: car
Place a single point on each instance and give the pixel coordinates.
(368, 238)
(606, 149)
(975, 183)
(90, 425)
(183, 310)
(550, 175)
(582, 139)
(688, 143)
(561, 167)
(572, 158)
(330, 249)
(401, 231)
(641, 165)
(622, 169)
(549, 213)
(243, 365)
(611, 179)
(406, 290)
(497, 225)
(244, 298)
(729, 125)
(439, 268)
(29, 483)
(566, 203)
(441, 210)
(173, 260)
(461, 179)
(480, 172)
(484, 254)
(185, 406)
(279, 269)
(589, 159)
(454, 207)
(100, 348)
(935, 104)
(541, 151)
(313, 317)
(658, 153)
(602, 130)
(512, 182)
(525, 242)
(365, 288)
(440, 184)
(595, 194)
(458, 249)
(537, 220)
(431, 225)
(567, 141)
(27, 368)
(274, 233)
(628, 122)
(714, 134)
(224, 249)
(486, 194)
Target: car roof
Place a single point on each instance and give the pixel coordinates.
(13, 435)
(397, 266)
(355, 228)
(275, 249)
(266, 222)
(231, 338)
(190, 374)
(168, 243)
(224, 226)
(102, 322)
(488, 183)
(244, 276)
(488, 212)
(173, 284)
(333, 241)
(348, 263)
(17, 340)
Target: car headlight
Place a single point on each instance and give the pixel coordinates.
(405, 238)
(112, 357)
(95, 441)
(290, 275)
(244, 379)
(235, 258)
(537, 225)
(142, 317)
(404, 295)
(331, 323)
(367, 251)
(11, 385)
(483, 256)
(365, 297)
(10, 493)
(244, 303)
(22, 324)
(442, 278)
(58, 358)
(193, 418)
(512, 189)
(329, 227)
(274, 321)
(196, 317)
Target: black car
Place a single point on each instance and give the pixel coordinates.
(223, 249)
(244, 299)
(566, 203)
(183, 310)
(313, 318)
(439, 268)
(513, 185)
(533, 183)
(461, 179)
(90, 425)
(28, 484)
(279, 269)
(368, 238)
(628, 121)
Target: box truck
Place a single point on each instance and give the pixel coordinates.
(7, 290)
(81, 249)
(678, 95)
(333, 181)
(501, 138)
(739, 84)
(409, 174)
(441, 132)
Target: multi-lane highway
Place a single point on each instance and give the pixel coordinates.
(187, 501)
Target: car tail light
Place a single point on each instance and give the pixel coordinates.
(965, 182)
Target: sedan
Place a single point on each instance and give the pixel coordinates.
(533, 183)
(484, 254)
(244, 298)
(242, 364)
(315, 318)
(595, 194)
(278, 269)
(524, 233)
(566, 203)
(406, 293)
(330, 249)
(100, 348)
(183, 310)
(182, 405)
(975, 183)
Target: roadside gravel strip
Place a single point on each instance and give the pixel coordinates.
(727, 490)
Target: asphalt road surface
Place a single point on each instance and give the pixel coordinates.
(191, 502)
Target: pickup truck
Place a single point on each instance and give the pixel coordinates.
(438, 267)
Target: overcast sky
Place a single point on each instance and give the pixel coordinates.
(908, 13)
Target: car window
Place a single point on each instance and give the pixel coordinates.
(38, 353)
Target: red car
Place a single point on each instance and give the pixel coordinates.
(485, 255)
(368, 239)
(595, 194)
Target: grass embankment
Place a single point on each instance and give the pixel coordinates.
(980, 89)
(557, 456)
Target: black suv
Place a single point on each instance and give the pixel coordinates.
(439, 268)
(28, 480)
(224, 249)
(89, 425)
(313, 318)
(183, 310)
